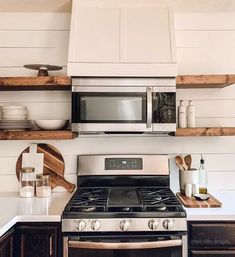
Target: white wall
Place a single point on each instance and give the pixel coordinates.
(204, 45)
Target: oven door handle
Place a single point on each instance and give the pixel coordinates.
(127, 246)
(149, 107)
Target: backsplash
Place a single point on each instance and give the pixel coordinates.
(219, 160)
(200, 49)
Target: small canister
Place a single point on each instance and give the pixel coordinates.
(27, 180)
(43, 185)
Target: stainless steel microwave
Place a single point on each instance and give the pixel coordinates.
(123, 105)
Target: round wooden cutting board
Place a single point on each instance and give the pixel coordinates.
(53, 165)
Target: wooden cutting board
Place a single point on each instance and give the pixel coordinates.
(53, 165)
(191, 202)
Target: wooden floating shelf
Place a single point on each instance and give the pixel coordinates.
(65, 82)
(204, 81)
(35, 83)
(37, 135)
(194, 132)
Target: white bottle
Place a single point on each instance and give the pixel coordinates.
(182, 117)
(191, 115)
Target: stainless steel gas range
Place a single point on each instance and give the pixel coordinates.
(124, 207)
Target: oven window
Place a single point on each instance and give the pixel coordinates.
(109, 108)
(164, 252)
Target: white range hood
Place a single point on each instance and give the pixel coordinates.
(121, 39)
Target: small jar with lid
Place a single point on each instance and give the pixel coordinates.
(27, 180)
(43, 185)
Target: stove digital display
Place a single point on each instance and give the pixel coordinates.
(123, 164)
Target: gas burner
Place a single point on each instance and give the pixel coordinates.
(161, 208)
(126, 209)
(89, 209)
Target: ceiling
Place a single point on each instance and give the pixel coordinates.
(35, 5)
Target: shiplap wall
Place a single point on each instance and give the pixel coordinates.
(204, 45)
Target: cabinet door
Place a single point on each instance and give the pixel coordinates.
(95, 35)
(145, 35)
(37, 241)
(6, 244)
(226, 253)
(212, 235)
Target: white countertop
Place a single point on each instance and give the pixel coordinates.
(14, 209)
(226, 212)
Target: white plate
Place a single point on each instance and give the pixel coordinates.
(14, 112)
(14, 117)
(12, 121)
(51, 124)
(14, 107)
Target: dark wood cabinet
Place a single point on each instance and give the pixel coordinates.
(6, 244)
(207, 239)
(38, 240)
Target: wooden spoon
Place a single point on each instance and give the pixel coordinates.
(179, 160)
(188, 161)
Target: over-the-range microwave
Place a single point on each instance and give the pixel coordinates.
(123, 105)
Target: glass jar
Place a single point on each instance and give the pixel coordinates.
(27, 180)
(43, 185)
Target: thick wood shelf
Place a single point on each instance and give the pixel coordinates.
(37, 135)
(204, 81)
(217, 131)
(64, 82)
(35, 83)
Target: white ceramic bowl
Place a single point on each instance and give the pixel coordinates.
(51, 124)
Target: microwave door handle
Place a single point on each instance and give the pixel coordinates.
(149, 107)
(125, 246)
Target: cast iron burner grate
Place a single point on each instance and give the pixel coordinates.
(159, 199)
(88, 200)
(123, 200)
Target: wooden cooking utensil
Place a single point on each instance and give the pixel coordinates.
(188, 161)
(179, 160)
(53, 165)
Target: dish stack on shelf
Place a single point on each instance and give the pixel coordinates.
(14, 118)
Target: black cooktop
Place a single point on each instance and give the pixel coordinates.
(124, 201)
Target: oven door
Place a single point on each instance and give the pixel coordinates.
(152, 246)
(111, 109)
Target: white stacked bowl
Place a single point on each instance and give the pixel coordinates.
(14, 112)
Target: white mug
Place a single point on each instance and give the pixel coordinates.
(188, 190)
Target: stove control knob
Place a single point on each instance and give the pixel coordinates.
(153, 224)
(80, 225)
(168, 224)
(124, 225)
(95, 225)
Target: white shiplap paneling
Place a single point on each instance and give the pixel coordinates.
(205, 45)
(35, 21)
(33, 38)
